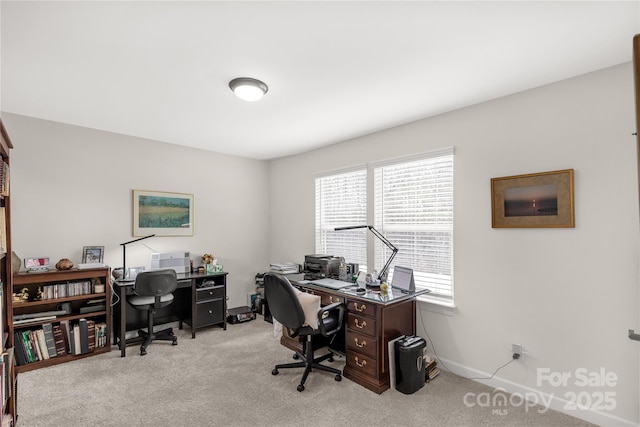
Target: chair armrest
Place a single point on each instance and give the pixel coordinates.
(336, 306)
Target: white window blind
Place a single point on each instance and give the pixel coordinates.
(341, 200)
(414, 211)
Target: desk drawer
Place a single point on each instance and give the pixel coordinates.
(205, 294)
(361, 324)
(362, 344)
(325, 297)
(362, 364)
(362, 307)
(209, 312)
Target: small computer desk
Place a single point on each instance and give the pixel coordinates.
(199, 300)
(371, 321)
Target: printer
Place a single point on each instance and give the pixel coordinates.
(319, 266)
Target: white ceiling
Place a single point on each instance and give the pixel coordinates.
(335, 70)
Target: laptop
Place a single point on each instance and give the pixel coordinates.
(331, 283)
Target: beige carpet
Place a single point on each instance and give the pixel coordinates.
(223, 378)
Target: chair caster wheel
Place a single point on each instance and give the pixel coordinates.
(330, 359)
(295, 356)
(174, 342)
(338, 377)
(274, 372)
(143, 352)
(300, 387)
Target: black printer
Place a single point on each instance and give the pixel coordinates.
(319, 266)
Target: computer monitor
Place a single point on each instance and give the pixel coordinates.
(403, 279)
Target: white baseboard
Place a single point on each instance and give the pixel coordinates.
(535, 396)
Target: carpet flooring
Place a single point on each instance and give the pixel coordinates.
(223, 378)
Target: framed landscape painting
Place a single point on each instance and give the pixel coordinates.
(162, 214)
(538, 200)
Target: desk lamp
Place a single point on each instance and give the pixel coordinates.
(383, 273)
(124, 254)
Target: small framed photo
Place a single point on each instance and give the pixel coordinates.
(538, 200)
(92, 254)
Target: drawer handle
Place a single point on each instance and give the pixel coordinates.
(360, 325)
(358, 343)
(363, 364)
(210, 292)
(362, 308)
(210, 312)
(333, 300)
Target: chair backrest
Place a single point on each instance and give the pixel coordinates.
(155, 283)
(283, 301)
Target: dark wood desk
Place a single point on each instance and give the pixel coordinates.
(371, 321)
(199, 300)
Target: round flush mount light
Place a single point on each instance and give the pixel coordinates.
(248, 89)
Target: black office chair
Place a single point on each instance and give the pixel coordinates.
(153, 290)
(286, 309)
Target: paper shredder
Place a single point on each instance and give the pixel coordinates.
(410, 367)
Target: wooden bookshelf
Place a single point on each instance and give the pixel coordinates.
(8, 412)
(74, 289)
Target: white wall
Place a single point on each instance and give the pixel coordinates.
(568, 295)
(72, 187)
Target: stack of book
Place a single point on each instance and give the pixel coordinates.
(431, 369)
(69, 289)
(59, 339)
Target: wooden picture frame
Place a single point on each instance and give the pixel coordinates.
(538, 200)
(162, 213)
(92, 254)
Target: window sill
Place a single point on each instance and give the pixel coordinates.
(436, 305)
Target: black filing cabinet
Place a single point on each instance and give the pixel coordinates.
(209, 302)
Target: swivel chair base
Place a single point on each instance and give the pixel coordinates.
(146, 337)
(309, 363)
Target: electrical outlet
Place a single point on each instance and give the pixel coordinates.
(516, 350)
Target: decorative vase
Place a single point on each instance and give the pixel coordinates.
(16, 262)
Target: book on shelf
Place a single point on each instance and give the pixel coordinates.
(33, 320)
(91, 335)
(20, 351)
(30, 352)
(8, 360)
(47, 328)
(76, 347)
(66, 333)
(3, 230)
(41, 343)
(84, 335)
(33, 342)
(40, 314)
(58, 337)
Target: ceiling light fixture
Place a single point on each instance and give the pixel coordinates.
(248, 89)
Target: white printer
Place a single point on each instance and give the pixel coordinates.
(178, 261)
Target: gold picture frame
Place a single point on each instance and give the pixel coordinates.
(537, 200)
(162, 214)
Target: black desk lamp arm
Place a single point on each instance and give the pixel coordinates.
(383, 273)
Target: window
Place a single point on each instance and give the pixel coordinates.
(414, 210)
(412, 206)
(341, 200)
